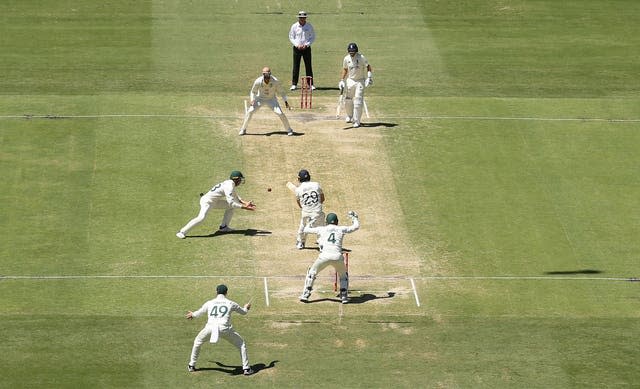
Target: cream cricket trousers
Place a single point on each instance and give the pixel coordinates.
(230, 335)
(354, 99)
(325, 259)
(312, 219)
(205, 205)
(273, 103)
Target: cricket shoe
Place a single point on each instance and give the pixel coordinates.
(299, 245)
(242, 132)
(304, 297)
(313, 87)
(180, 235)
(290, 132)
(356, 124)
(293, 87)
(344, 297)
(225, 229)
(191, 368)
(248, 371)
(347, 119)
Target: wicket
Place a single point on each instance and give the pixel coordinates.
(306, 93)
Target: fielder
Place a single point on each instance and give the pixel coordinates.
(218, 325)
(222, 196)
(264, 91)
(310, 197)
(331, 237)
(358, 73)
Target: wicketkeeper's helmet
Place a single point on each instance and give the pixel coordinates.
(332, 218)
(352, 48)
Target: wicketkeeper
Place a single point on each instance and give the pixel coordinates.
(330, 238)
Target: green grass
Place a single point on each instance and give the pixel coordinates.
(554, 201)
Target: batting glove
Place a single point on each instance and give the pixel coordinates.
(368, 82)
(353, 214)
(341, 85)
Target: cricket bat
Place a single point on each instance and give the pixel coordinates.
(340, 103)
(291, 187)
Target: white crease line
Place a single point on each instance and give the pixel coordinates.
(364, 277)
(323, 117)
(266, 292)
(415, 291)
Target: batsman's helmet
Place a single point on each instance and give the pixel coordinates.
(304, 176)
(352, 48)
(222, 289)
(332, 218)
(236, 176)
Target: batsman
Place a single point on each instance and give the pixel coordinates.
(358, 74)
(330, 238)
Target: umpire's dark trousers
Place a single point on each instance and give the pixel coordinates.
(306, 55)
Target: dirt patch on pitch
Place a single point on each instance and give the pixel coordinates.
(353, 169)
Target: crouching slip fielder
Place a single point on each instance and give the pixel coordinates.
(331, 237)
(218, 325)
(223, 196)
(310, 198)
(264, 91)
(358, 72)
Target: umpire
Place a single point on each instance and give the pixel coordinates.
(301, 36)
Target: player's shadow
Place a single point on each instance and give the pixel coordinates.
(363, 298)
(237, 370)
(283, 133)
(327, 88)
(569, 272)
(247, 232)
(372, 125)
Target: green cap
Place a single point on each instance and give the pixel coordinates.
(222, 289)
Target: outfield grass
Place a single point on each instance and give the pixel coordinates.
(512, 131)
